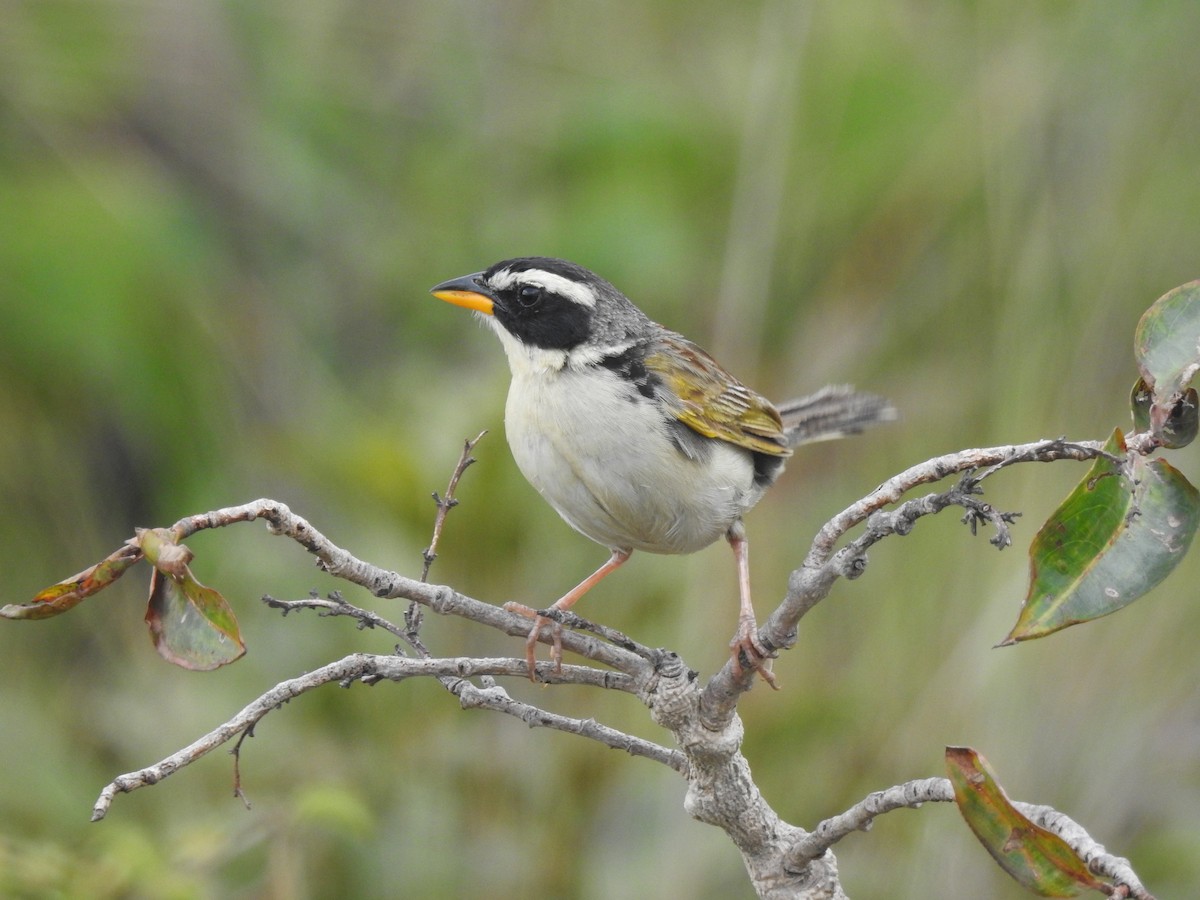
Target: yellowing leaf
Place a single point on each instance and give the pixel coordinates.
(1034, 857)
(58, 598)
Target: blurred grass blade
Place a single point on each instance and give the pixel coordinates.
(1114, 538)
(192, 625)
(1037, 859)
(58, 598)
(1167, 347)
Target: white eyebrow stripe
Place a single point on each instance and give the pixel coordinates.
(564, 287)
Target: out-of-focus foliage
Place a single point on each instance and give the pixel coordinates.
(218, 224)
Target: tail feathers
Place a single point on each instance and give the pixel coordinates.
(835, 411)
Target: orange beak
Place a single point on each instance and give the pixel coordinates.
(465, 292)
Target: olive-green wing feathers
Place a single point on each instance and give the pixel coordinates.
(710, 401)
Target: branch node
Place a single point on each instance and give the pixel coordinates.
(855, 566)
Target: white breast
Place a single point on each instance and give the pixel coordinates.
(600, 455)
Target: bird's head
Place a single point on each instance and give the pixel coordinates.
(543, 304)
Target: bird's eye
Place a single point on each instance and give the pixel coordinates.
(529, 295)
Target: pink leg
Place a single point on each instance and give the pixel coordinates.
(745, 641)
(566, 601)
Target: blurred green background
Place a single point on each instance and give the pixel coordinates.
(218, 225)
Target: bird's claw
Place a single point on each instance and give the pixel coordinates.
(758, 656)
(531, 641)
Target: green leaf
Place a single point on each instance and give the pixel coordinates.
(58, 598)
(192, 625)
(1035, 858)
(1121, 531)
(1167, 347)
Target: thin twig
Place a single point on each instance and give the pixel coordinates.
(825, 563)
(448, 502)
(571, 619)
(936, 469)
(386, 584)
(363, 666)
(336, 605)
(412, 615)
(236, 753)
(861, 816)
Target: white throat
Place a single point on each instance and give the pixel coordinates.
(525, 360)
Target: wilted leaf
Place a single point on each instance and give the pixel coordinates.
(192, 625)
(1140, 400)
(1167, 347)
(58, 598)
(1036, 858)
(1182, 423)
(1114, 538)
(163, 550)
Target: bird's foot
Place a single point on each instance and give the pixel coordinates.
(746, 645)
(531, 642)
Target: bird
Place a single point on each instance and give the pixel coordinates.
(636, 436)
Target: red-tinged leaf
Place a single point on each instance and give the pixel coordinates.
(58, 598)
(1037, 859)
(192, 625)
(1120, 532)
(1167, 347)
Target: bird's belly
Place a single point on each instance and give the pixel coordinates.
(601, 456)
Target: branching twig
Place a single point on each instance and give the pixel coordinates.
(387, 584)
(900, 521)
(933, 470)
(702, 719)
(336, 605)
(363, 666)
(824, 564)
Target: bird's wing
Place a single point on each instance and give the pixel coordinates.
(700, 394)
